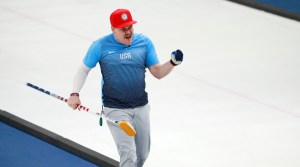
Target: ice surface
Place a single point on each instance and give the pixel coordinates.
(234, 101)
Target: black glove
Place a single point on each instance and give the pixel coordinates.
(176, 57)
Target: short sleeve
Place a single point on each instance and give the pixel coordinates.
(93, 55)
(151, 58)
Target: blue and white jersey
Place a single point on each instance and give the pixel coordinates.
(123, 69)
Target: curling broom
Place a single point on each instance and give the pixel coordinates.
(125, 126)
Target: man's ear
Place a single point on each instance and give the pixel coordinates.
(112, 28)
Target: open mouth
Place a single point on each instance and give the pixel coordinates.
(128, 36)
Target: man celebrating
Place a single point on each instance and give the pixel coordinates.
(123, 57)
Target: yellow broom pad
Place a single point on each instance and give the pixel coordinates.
(127, 128)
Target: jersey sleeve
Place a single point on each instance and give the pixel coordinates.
(93, 55)
(151, 58)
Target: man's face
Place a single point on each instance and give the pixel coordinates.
(123, 35)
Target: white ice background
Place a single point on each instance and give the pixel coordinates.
(234, 101)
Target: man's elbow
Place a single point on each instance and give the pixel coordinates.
(158, 77)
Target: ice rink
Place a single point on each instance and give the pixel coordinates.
(233, 102)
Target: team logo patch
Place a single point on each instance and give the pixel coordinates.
(124, 17)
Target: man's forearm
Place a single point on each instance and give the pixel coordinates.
(80, 78)
(161, 70)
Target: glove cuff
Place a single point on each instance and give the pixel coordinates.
(173, 63)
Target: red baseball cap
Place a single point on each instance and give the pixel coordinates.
(121, 18)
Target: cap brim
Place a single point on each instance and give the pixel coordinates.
(126, 24)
